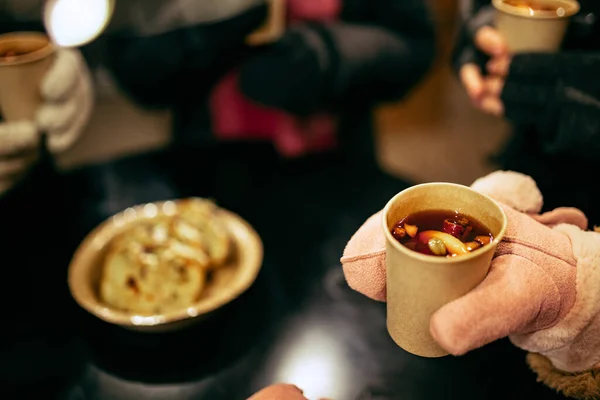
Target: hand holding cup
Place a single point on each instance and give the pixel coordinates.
(485, 87)
(541, 289)
(42, 91)
(520, 27)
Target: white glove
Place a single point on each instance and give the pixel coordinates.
(68, 99)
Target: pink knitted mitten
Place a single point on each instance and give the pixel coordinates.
(543, 288)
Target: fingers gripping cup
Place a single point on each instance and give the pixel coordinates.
(534, 25)
(24, 59)
(419, 284)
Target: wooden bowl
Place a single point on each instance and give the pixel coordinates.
(225, 284)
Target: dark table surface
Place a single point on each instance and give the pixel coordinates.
(299, 323)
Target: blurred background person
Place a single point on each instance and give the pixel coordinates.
(335, 58)
(552, 100)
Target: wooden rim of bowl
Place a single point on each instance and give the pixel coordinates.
(242, 234)
(36, 45)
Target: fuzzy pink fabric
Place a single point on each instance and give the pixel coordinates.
(513, 189)
(573, 345)
(542, 288)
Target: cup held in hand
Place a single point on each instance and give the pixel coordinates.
(534, 25)
(419, 284)
(24, 59)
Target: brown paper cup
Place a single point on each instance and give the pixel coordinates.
(20, 76)
(534, 31)
(418, 284)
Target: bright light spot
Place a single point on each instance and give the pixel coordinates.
(76, 22)
(169, 208)
(146, 321)
(150, 210)
(130, 214)
(316, 364)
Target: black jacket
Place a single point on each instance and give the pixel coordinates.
(553, 101)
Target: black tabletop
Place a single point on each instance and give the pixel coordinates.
(299, 323)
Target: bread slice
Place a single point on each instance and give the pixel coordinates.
(204, 216)
(161, 264)
(152, 279)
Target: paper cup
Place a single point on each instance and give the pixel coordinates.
(21, 75)
(527, 29)
(418, 284)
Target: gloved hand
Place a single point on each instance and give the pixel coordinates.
(67, 94)
(541, 290)
(293, 74)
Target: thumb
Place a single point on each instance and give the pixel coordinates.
(563, 215)
(62, 76)
(364, 259)
(516, 296)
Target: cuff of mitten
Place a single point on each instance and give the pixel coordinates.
(532, 86)
(573, 345)
(580, 385)
(364, 259)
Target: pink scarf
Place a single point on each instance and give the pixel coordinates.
(234, 116)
